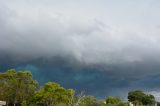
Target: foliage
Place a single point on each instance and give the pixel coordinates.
(24, 103)
(113, 100)
(16, 86)
(101, 103)
(139, 97)
(135, 97)
(52, 94)
(148, 100)
(88, 101)
(123, 104)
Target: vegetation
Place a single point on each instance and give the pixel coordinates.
(18, 88)
(115, 101)
(52, 94)
(140, 98)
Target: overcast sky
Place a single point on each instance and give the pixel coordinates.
(113, 44)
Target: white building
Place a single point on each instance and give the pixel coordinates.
(2, 103)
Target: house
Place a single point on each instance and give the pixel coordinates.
(2, 103)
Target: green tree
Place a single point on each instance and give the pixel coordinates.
(148, 100)
(52, 94)
(24, 103)
(88, 101)
(136, 97)
(16, 86)
(113, 100)
(101, 103)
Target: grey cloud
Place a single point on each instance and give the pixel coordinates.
(39, 33)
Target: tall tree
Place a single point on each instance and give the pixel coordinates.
(52, 94)
(139, 97)
(16, 86)
(135, 97)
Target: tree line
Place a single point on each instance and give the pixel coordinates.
(18, 88)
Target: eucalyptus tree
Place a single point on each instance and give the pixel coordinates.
(138, 97)
(16, 86)
(52, 94)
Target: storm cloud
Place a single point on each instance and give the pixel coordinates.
(83, 45)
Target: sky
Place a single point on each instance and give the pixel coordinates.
(101, 47)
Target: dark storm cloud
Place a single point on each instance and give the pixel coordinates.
(98, 80)
(90, 79)
(101, 57)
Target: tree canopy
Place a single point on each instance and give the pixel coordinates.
(138, 97)
(112, 100)
(16, 86)
(52, 94)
